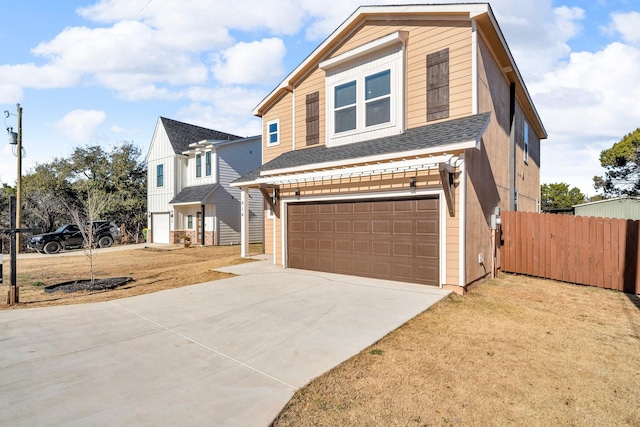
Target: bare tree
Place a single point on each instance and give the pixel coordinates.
(89, 211)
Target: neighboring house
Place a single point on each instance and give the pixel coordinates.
(188, 193)
(387, 151)
(622, 207)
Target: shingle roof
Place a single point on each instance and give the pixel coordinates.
(182, 134)
(429, 136)
(196, 193)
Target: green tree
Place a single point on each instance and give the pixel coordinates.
(622, 167)
(559, 196)
(118, 173)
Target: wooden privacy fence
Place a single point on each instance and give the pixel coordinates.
(592, 251)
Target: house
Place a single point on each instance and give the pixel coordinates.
(620, 207)
(390, 150)
(188, 193)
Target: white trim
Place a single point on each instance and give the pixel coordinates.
(365, 49)
(474, 67)
(279, 133)
(373, 159)
(357, 171)
(275, 242)
(293, 119)
(407, 194)
(462, 237)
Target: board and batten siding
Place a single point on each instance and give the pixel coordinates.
(161, 152)
(234, 160)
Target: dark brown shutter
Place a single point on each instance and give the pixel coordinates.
(313, 118)
(438, 85)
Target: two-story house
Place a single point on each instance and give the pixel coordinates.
(389, 148)
(188, 192)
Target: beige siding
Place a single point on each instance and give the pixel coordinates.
(281, 111)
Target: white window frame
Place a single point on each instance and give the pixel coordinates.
(525, 138)
(269, 133)
(158, 175)
(208, 160)
(391, 58)
(197, 157)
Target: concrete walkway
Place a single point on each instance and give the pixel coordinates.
(226, 353)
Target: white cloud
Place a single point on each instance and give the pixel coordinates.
(212, 117)
(251, 63)
(80, 125)
(627, 24)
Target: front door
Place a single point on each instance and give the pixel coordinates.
(199, 228)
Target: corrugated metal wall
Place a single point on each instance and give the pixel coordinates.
(627, 208)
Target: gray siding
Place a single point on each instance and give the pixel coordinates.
(628, 208)
(235, 160)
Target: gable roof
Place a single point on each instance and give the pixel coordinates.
(182, 134)
(193, 194)
(481, 13)
(433, 137)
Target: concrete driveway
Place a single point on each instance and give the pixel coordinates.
(226, 353)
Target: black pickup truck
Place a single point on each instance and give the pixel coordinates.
(70, 237)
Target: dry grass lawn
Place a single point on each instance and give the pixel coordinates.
(515, 351)
(152, 270)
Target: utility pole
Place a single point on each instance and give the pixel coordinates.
(19, 181)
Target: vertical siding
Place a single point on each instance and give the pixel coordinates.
(160, 152)
(235, 160)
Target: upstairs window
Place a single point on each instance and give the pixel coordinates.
(198, 165)
(160, 175)
(345, 107)
(273, 132)
(207, 163)
(365, 91)
(378, 98)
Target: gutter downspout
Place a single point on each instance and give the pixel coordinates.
(512, 146)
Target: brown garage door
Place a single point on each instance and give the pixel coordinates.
(393, 239)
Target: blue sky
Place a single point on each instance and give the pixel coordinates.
(100, 72)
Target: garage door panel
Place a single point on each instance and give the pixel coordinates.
(360, 226)
(403, 249)
(382, 248)
(343, 226)
(362, 247)
(326, 245)
(343, 246)
(427, 250)
(404, 226)
(381, 226)
(426, 227)
(395, 239)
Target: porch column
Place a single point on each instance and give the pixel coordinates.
(244, 222)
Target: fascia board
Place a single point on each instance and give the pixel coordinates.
(372, 159)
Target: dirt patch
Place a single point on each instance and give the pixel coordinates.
(88, 285)
(516, 351)
(152, 270)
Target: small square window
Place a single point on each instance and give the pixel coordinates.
(273, 132)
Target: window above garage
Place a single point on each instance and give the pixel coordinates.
(365, 91)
